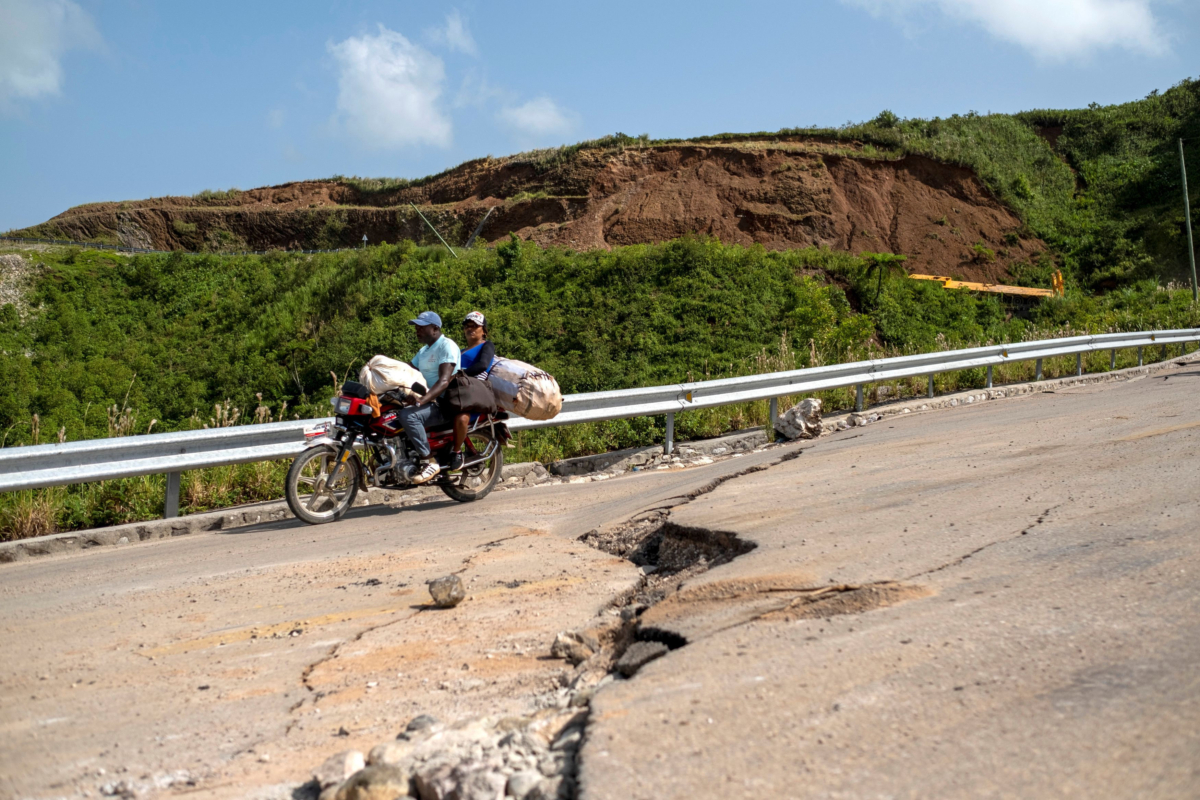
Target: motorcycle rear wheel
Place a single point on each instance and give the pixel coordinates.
(475, 483)
(309, 496)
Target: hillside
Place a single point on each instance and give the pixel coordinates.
(975, 196)
(781, 195)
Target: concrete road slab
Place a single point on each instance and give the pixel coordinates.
(219, 662)
(998, 601)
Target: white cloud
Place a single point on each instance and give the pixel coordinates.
(1053, 30)
(454, 35)
(538, 118)
(276, 117)
(34, 35)
(388, 90)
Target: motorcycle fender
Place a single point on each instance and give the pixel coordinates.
(336, 445)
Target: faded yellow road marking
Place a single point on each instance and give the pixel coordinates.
(1158, 432)
(281, 629)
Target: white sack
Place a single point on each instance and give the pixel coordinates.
(525, 390)
(801, 421)
(382, 374)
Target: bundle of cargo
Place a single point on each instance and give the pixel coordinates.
(382, 374)
(525, 390)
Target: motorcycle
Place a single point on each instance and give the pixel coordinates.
(359, 450)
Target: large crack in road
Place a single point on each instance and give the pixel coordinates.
(209, 640)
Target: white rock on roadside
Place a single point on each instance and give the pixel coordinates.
(522, 783)
(338, 768)
(801, 421)
(374, 783)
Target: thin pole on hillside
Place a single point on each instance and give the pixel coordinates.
(435, 230)
(1187, 218)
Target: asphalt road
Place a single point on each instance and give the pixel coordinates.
(225, 664)
(1027, 622)
(994, 600)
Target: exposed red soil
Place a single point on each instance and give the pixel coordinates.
(769, 193)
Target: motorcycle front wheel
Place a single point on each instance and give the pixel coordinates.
(310, 495)
(476, 481)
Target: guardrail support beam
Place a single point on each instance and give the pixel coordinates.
(773, 415)
(1139, 356)
(1039, 370)
(669, 444)
(1079, 364)
(1112, 360)
(930, 393)
(858, 398)
(171, 506)
(989, 376)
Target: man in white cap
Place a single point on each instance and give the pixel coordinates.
(438, 360)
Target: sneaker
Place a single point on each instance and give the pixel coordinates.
(424, 472)
(454, 462)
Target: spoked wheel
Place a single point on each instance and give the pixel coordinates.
(476, 480)
(311, 496)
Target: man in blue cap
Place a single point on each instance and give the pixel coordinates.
(438, 360)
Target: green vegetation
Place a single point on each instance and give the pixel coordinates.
(111, 345)
(216, 198)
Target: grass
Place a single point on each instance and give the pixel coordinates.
(217, 197)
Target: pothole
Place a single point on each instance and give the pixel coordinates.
(535, 756)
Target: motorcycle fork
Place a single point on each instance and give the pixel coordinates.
(344, 455)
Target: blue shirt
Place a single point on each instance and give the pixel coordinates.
(432, 356)
(473, 354)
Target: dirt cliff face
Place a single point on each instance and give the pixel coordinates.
(776, 195)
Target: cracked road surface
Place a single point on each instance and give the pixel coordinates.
(1028, 622)
(245, 658)
(994, 600)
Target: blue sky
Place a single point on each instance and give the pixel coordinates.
(126, 99)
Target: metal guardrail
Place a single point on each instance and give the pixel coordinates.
(47, 465)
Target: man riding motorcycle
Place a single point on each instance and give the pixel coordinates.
(438, 360)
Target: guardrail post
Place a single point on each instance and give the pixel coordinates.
(1079, 364)
(858, 398)
(930, 393)
(1139, 356)
(1112, 360)
(1039, 370)
(773, 414)
(669, 445)
(989, 377)
(171, 506)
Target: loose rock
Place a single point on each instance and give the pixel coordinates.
(638, 655)
(523, 782)
(801, 421)
(548, 789)
(575, 646)
(375, 783)
(447, 592)
(338, 768)
(420, 723)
